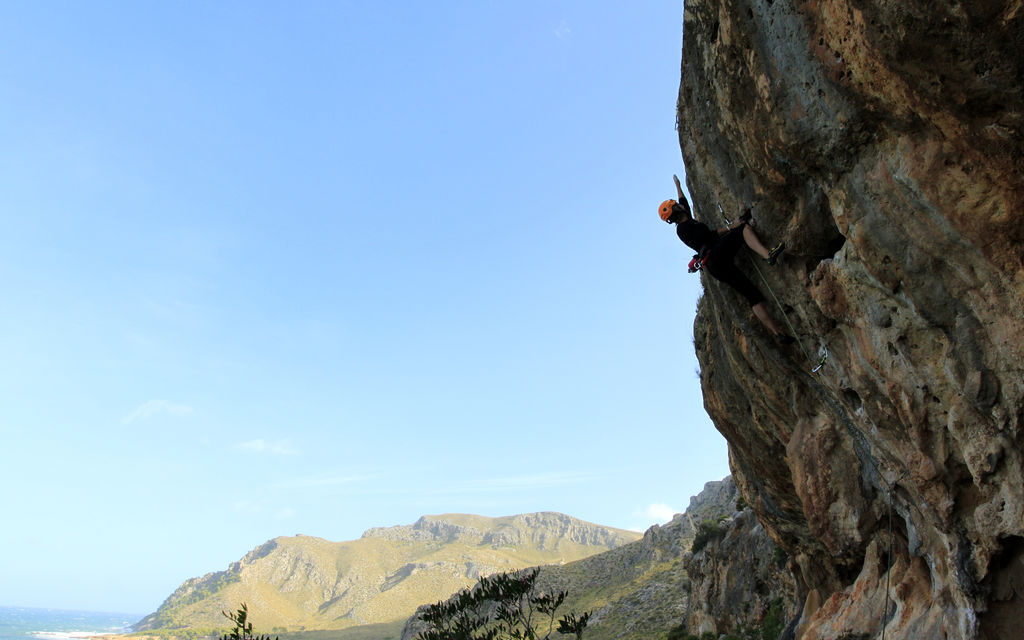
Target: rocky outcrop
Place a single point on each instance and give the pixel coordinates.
(882, 141)
(737, 578)
(642, 590)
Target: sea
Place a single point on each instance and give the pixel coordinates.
(20, 623)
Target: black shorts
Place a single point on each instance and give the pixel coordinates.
(722, 266)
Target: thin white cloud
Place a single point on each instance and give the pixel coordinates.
(259, 508)
(659, 513)
(277, 448)
(155, 407)
(247, 506)
(652, 514)
(378, 484)
(531, 481)
(563, 31)
(312, 482)
(505, 484)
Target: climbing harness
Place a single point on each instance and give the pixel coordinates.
(698, 261)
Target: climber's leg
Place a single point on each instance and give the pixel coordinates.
(754, 242)
(762, 314)
(766, 319)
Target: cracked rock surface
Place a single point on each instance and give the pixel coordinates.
(882, 141)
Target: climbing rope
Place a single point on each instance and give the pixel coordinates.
(818, 364)
(889, 489)
(888, 572)
(785, 317)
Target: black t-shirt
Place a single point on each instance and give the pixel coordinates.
(696, 235)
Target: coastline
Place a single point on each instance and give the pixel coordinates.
(86, 635)
(25, 623)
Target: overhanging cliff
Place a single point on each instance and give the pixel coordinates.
(882, 141)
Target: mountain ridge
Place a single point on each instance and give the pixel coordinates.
(305, 582)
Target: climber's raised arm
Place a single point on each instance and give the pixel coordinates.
(681, 199)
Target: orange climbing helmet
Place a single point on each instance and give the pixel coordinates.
(665, 209)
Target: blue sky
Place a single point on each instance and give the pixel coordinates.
(314, 267)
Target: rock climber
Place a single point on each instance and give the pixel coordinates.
(716, 250)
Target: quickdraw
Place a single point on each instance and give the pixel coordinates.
(821, 363)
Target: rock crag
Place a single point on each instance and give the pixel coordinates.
(882, 141)
(544, 530)
(737, 578)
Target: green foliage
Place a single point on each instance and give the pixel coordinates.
(177, 634)
(707, 531)
(382, 631)
(770, 628)
(779, 556)
(773, 622)
(243, 628)
(207, 588)
(741, 502)
(501, 607)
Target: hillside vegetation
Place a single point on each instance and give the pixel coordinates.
(306, 583)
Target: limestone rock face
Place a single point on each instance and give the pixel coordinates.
(882, 141)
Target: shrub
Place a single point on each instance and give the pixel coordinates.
(779, 556)
(706, 532)
(771, 626)
(501, 606)
(243, 628)
(741, 502)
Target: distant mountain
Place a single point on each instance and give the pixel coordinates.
(306, 583)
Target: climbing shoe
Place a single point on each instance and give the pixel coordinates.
(773, 255)
(784, 338)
